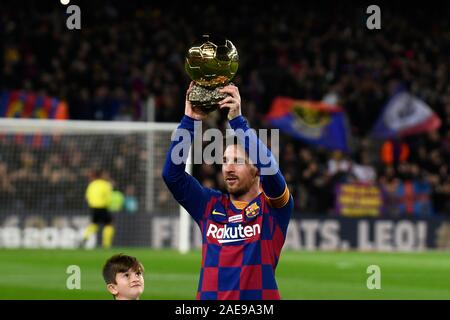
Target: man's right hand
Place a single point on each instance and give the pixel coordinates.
(196, 114)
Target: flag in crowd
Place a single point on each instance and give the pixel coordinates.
(24, 104)
(403, 115)
(314, 122)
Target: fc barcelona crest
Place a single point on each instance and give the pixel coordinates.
(310, 121)
(252, 210)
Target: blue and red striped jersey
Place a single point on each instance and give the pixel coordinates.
(241, 242)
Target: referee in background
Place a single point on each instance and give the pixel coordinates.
(98, 196)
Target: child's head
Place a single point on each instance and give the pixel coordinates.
(124, 277)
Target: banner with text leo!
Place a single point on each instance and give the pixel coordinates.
(64, 230)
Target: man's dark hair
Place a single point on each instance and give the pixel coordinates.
(232, 140)
(120, 263)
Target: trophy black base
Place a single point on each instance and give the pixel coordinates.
(206, 108)
(205, 99)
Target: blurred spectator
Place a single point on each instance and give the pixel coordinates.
(394, 152)
(7, 189)
(339, 167)
(131, 202)
(364, 172)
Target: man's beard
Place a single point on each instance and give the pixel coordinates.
(239, 190)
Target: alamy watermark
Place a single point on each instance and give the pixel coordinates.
(73, 21)
(374, 280)
(374, 20)
(216, 141)
(74, 279)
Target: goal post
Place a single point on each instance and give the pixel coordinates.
(45, 166)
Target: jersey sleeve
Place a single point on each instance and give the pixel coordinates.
(283, 214)
(277, 202)
(185, 188)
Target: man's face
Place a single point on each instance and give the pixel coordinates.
(239, 175)
(129, 285)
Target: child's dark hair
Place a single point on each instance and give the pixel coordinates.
(120, 263)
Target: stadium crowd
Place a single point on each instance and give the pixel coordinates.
(128, 52)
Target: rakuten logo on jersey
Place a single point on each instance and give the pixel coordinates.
(234, 233)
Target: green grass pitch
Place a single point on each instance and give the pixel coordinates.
(41, 274)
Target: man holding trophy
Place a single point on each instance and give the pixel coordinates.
(243, 229)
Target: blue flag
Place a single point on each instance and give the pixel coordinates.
(314, 122)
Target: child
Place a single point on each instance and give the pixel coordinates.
(124, 277)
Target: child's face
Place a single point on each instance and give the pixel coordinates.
(129, 285)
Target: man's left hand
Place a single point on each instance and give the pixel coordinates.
(233, 102)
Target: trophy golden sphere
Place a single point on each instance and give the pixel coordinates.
(211, 63)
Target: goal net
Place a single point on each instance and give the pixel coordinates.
(46, 165)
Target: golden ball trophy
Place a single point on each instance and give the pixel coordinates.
(211, 63)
